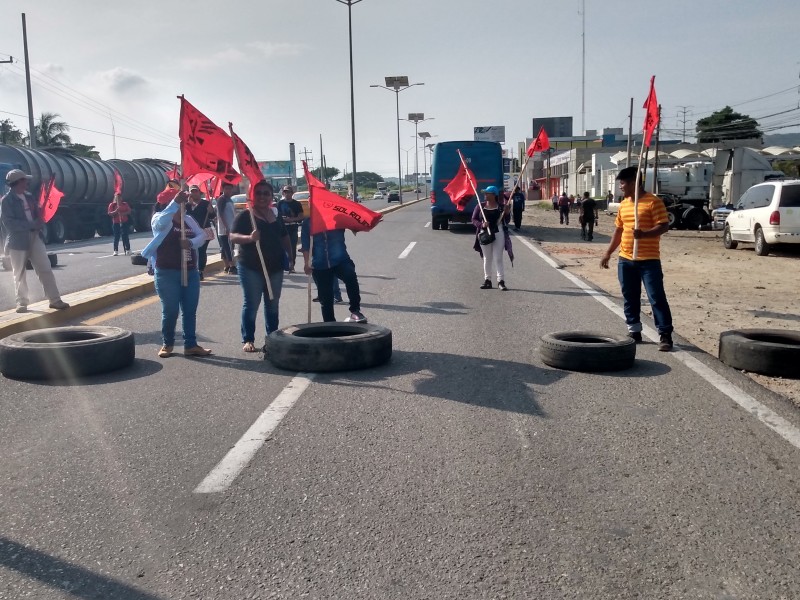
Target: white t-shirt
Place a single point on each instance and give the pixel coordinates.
(26, 207)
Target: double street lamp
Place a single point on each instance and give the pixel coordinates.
(349, 4)
(425, 136)
(416, 119)
(397, 84)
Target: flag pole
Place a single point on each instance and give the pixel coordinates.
(311, 258)
(184, 267)
(636, 198)
(251, 207)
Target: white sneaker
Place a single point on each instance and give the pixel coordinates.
(116, 253)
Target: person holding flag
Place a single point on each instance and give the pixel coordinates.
(119, 210)
(22, 222)
(491, 217)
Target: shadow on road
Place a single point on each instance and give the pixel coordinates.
(140, 369)
(63, 576)
(429, 308)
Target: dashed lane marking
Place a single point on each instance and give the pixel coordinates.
(408, 250)
(761, 412)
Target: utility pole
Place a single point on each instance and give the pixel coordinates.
(32, 129)
(684, 120)
(583, 68)
(658, 139)
(305, 153)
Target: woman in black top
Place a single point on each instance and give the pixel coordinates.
(271, 236)
(495, 212)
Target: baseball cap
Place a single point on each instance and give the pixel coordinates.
(492, 189)
(194, 187)
(14, 175)
(287, 188)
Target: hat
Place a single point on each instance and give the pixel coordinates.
(15, 175)
(287, 188)
(492, 189)
(194, 187)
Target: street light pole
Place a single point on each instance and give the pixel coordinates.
(424, 135)
(397, 84)
(416, 119)
(349, 4)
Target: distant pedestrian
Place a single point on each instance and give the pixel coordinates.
(23, 240)
(271, 237)
(292, 212)
(225, 215)
(495, 211)
(203, 213)
(554, 200)
(518, 199)
(563, 209)
(170, 250)
(588, 217)
(646, 267)
(327, 260)
(119, 211)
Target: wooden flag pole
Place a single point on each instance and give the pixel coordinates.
(636, 198)
(311, 261)
(472, 184)
(184, 267)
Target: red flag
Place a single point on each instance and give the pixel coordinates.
(117, 183)
(248, 164)
(651, 113)
(174, 173)
(204, 146)
(540, 144)
(462, 186)
(330, 211)
(50, 199)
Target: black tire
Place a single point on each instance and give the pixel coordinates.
(445, 225)
(674, 219)
(435, 224)
(326, 347)
(727, 239)
(66, 352)
(53, 258)
(142, 219)
(773, 352)
(693, 218)
(56, 230)
(587, 351)
(762, 247)
(138, 260)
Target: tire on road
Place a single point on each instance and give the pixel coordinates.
(327, 347)
(138, 259)
(66, 352)
(773, 352)
(51, 256)
(587, 351)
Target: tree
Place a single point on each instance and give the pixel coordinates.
(726, 124)
(9, 134)
(51, 132)
(85, 151)
(790, 167)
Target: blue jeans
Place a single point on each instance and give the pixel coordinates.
(254, 289)
(121, 229)
(175, 297)
(631, 276)
(324, 278)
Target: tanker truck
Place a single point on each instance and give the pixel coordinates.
(88, 187)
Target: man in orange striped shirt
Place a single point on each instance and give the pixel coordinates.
(646, 267)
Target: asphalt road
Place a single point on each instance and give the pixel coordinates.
(86, 264)
(464, 468)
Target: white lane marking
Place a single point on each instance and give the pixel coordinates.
(106, 256)
(238, 457)
(408, 250)
(764, 414)
(428, 224)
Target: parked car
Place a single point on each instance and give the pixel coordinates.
(767, 214)
(240, 201)
(393, 197)
(377, 196)
(719, 216)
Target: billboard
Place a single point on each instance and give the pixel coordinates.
(554, 126)
(493, 133)
(276, 168)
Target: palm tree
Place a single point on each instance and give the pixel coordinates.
(51, 132)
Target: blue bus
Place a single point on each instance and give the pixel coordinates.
(485, 160)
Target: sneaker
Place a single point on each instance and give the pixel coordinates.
(196, 351)
(59, 305)
(358, 317)
(665, 343)
(502, 285)
(226, 270)
(165, 352)
(22, 308)
(487, 285)
(636, 336)
(337, 300)
(116, 253)
(233, 271)
(315, 299)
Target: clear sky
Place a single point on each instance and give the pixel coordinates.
(279, 68)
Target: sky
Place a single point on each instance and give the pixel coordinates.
(279, 69)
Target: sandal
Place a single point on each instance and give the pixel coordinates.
(249, 347)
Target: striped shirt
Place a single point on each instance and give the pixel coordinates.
(651, 213)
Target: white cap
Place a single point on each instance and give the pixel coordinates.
(15, 175)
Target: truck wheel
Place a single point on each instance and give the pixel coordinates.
(326, 347)
(444, 225)
(142, 220)
(693, 218)
(727, 239)
(66, 352)
(587, 351)
(673, 219)
(773, 352)
(435, 224)
(762, 247)
(57, 231)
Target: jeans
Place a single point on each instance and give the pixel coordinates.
(121, 229)
(346, 271)
(631, 276)
(175, 297)
(254, 288)
(563, 215)
(517, 212)
(225, 248)
(493, 253)
(587, 223)
(292, 231)
(202, 257)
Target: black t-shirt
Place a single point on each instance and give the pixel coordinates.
(290, 208)
(271, 244)
(202, 213)
(588, 207)
(492, 217)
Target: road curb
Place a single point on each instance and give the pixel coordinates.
(40, 315)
